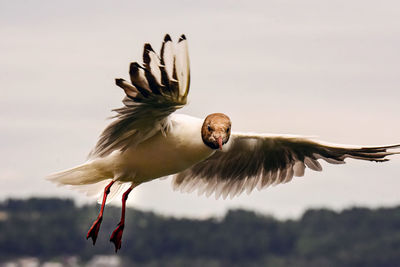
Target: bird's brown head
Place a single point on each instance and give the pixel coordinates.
(216, 130)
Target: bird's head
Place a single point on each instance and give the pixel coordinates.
(216, 130)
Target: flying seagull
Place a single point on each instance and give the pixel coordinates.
(147, 140)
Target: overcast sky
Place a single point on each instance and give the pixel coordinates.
(312, 67)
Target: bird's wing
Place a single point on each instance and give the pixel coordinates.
(259, 160)
(157, 88)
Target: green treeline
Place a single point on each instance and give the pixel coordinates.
(55, 228)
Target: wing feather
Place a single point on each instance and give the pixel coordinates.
(182, 65)
(167, 59)
(138, 79)
(254, 160)
(152, 70)
(152, 64)
(154, 93)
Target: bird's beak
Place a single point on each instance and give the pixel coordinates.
(219, 139)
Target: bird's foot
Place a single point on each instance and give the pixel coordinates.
(116, 236)
(94, 230)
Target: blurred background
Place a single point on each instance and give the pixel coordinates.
(315, 68)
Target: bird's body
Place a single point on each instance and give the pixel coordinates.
(148, 141)
(165, 153)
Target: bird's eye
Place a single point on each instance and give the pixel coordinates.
(228, 129)
(209, 128)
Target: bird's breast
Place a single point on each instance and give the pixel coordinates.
(165, 154)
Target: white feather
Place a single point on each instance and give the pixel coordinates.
(182, 66)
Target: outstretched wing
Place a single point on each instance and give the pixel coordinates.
(252, 160)
(157, 88)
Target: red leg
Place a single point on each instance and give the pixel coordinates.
(116, 236)
(94, 230)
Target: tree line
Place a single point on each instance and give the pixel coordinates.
(52, 228)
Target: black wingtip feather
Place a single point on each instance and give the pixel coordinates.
(147, 46)
(167, 38)
(147, 49)
(119, 82)
(182, 38)
(133, 68)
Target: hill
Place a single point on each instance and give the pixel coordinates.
(52, 229)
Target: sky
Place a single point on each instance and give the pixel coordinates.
(318, 68)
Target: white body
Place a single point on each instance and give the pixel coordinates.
(160, 155)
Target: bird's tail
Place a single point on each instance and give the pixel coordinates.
(80, 175)
(89, 179)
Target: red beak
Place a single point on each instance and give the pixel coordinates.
(220, 142)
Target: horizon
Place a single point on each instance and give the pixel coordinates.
(211, 216)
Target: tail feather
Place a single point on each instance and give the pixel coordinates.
(88, 179)
(81, 175)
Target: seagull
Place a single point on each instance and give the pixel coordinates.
(147, 140)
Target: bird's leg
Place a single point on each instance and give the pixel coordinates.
(116, 236)
(94, 230)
